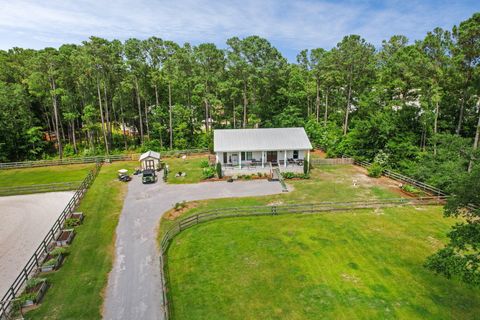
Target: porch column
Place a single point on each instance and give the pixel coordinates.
(240, 160)
(216, 157)
(263, 159)
(285, 159)
(308, 156)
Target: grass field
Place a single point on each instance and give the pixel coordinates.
(327, 183)
(76, 289)
(355, 265)
(191, 166)
(44, 175)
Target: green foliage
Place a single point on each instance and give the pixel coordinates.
(204, 163)
(219, 170)
(33, 282)
(411, 189)
(293, 175)
(58, 251)
(180, 205)
(375, 170)
(208, 173)
(460, 258)
(71, 223)
(50, 262)
(306, 167)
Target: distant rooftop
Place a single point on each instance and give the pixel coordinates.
(149, 154)
(267, 139)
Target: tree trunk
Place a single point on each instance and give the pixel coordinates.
(460, 116)
(245, 102)
(101, 116)
(146, 119)
(477, 138)
(206, 116)
(349, 95)
(107, 117)
(233, 111)
(325, 115)
(435, 127)
(139, 104)
(317, 101)
(157, 103)
(73, 137)
(124, 128)
(170, 124)
(55, 112)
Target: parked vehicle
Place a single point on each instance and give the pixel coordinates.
(149, 176)
(123, 175)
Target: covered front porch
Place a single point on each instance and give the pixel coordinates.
(246, 162)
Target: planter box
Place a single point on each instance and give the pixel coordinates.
(38, 291)
(77, 215)
(49, 268)
(65, 237)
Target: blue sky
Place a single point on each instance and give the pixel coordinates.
(289, 25)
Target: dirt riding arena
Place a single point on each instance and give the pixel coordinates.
(24, 222)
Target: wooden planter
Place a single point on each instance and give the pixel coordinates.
(65, 237)
(38, 293)
(49, 268)
(77, 215)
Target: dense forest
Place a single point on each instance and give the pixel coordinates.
(413, 107)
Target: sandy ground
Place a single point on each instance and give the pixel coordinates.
(24, 222)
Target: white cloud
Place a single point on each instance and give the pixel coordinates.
(292, 25)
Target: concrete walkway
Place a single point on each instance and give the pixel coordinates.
(134, 284)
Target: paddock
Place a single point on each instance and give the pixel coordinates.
(24, 222)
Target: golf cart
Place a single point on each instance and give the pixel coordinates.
(123, 175)
(149, 176)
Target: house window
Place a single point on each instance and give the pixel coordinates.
(246, 156)
(295, 154)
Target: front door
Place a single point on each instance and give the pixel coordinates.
(234, 158)
(271, 156)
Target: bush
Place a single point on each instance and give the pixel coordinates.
(219, 170)
(293, 175)
(208, 173)
(180, 205)
(375, 170)
(204, 164)
(247, 177)
(70, 223)
(58, 251)
(411, 189)
(33, 282)
(306, 166)
(50, 262)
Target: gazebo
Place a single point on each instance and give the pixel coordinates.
(150, 160)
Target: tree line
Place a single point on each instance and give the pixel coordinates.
(413, 102)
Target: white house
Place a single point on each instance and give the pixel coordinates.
(258, 148)
(150, 160)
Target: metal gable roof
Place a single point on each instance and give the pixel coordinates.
(148, 154)
(229, 140)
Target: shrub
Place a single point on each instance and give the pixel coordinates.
(204, 164)
(208, 173)
(71, 222)
(293, 175)
(288, 175)
(50, 262)
(411, 189)
(375, 170)
(219, 170)
(58, 251)
(33, 282)
(247, 177)
(180, 205)
(306, 166)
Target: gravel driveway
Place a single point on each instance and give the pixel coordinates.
(134, 284)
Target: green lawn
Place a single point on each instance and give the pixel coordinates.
(76, 289)
(191, 166)
(44, 175)
(354, 265)
(327, 183)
